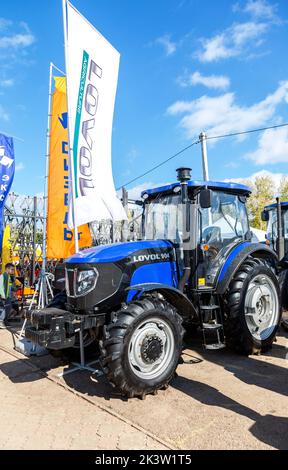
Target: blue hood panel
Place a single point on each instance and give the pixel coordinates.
(115, 252)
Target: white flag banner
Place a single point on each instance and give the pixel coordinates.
(92, 66)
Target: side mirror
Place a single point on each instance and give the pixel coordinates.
(264, 216)
(205, 198)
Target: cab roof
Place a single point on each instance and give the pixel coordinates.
(273, 206)
(237, 188)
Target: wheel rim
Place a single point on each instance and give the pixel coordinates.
(151, 348)
(261, 307)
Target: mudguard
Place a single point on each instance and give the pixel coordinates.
(236, 257)
(174, 296)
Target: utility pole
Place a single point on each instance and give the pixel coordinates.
(203, 140)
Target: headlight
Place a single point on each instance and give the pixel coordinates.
(86, 281)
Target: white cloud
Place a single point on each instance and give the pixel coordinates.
(258, 9)
(276, 177)
(240, 38)
(19, 166)
(5, 83)
(4, 116)
(232, 42)
(4, 24)
(169, 46)
(222, 114)
(212, 81)
(244, 32)
(15, 40)
(272, 147)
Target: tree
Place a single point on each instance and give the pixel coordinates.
(283, 189)
(263, 190)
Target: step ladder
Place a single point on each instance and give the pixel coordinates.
(214, 328)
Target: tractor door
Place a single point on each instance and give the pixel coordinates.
(221, 227)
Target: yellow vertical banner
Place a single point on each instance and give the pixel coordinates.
(6, 248)
(60, 239)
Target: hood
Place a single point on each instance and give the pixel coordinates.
(116, 251)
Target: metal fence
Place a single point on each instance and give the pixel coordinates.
(25, 217)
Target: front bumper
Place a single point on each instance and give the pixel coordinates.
(53, 328)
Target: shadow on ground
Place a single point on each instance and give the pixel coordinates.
(272, 430)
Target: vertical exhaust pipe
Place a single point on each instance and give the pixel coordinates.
(183, 176)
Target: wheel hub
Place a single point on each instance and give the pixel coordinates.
(261, 306)
(151, 349)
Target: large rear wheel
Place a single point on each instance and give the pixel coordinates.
(253, 308)
(142, 347)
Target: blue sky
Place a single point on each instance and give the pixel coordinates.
(186, 66)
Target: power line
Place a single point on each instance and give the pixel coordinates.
(233, 134)
(245, 132)
(159, 164)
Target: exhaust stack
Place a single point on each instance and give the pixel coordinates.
(183, 176)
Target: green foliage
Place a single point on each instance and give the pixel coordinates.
(283, 189)
(263, 193)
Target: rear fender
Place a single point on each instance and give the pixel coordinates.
(237, 256)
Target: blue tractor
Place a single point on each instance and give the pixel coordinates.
(195, 266)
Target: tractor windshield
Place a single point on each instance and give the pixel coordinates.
(163, 218)
(224, 222)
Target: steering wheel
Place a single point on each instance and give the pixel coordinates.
(212, 234)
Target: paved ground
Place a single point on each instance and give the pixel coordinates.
(224, 401)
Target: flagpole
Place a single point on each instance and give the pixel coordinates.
(58, 70)
(71, 166)
(44, 251)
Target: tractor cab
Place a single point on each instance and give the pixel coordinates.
(216, 222)
(276, 216)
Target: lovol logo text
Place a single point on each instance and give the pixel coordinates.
(152, 257)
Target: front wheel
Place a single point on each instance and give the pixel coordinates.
(253, 308)
(142, 347)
